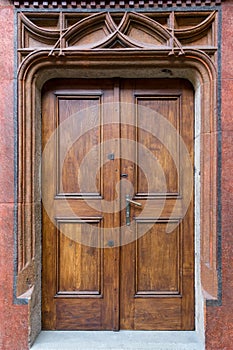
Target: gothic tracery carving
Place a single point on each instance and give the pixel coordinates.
(168, 31)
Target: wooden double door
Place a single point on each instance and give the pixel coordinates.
(109, 263)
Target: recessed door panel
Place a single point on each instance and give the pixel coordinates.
(74, 112)
(158, 107)
(79, 265)
(158, 261)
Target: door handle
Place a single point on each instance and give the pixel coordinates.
(127, 208)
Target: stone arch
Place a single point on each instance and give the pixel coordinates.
(104, 60)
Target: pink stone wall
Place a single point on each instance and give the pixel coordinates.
(219, 329)
(13, 318)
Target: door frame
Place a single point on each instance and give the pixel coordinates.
(38, 68)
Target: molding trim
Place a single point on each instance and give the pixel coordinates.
(104, 44)
(113, 4)
(89, 45)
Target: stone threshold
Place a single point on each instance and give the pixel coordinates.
(123, 340)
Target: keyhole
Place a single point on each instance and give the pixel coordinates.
(111, 243)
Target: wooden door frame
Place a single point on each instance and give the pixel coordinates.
(40, 66)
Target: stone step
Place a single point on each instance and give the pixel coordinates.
(123, 340)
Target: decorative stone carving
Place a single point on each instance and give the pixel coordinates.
(171, 32)
(99, 4)
(57, 44)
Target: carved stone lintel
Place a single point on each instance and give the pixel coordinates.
(113, 4)
(167, 32)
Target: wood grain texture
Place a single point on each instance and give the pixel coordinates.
(74, 279)
(79, 266)
(73, 111)
(158, 261)
(164, 261)
(164, 107)
(149, 283)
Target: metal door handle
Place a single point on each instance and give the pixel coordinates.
(127, 208)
